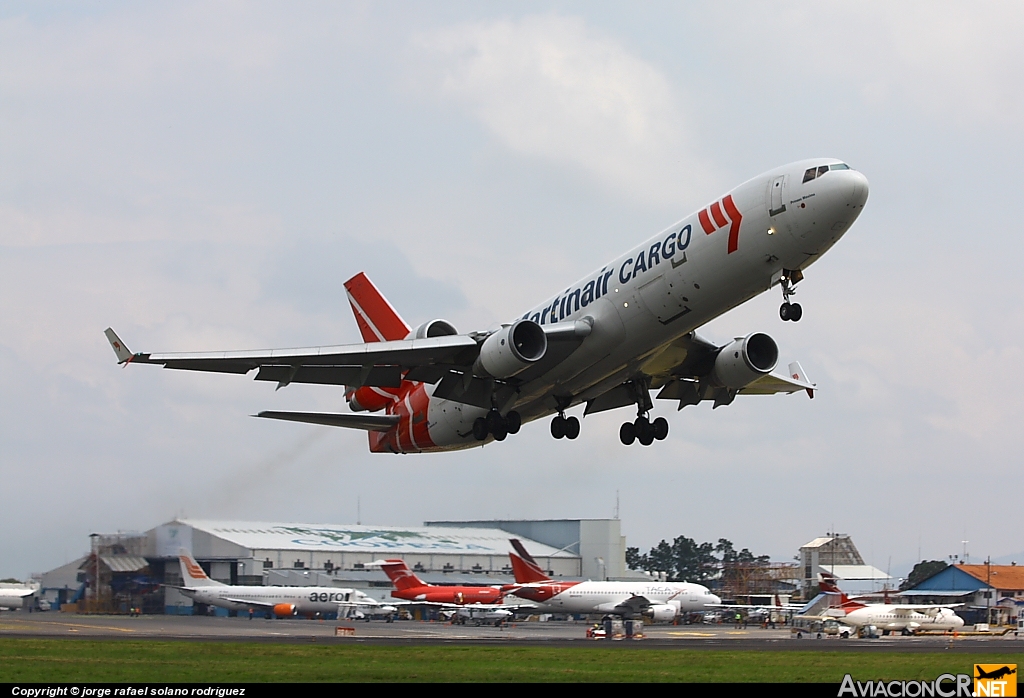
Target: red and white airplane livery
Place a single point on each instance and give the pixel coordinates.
(658, 601)
(606, 341)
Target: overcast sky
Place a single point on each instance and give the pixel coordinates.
(206, 176)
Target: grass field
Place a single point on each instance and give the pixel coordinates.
(126, 661)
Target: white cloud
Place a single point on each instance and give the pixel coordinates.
(551, 87)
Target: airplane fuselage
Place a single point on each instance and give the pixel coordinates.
(892, 618)
(303, 599)
(453, 595)
(639, 304)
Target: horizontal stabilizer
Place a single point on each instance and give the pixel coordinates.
(368, 422)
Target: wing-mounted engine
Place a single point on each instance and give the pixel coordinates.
(743, 361)
(660, 612)
(285, 610)
(511, 350)
(434, 328)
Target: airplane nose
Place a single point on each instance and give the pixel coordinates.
(859, 186)
(714, 600)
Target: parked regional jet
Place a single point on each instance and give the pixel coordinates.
(411, 588)
(888, 617)
(659, 601)
(480, 604)
(606, 341)
(281, 601)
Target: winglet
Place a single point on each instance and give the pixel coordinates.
(796, 371)
(123, 355)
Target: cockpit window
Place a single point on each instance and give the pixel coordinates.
(820, 171)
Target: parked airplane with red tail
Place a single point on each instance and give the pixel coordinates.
(411, 588)
(610, 340)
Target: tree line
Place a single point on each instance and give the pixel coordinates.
(685, 560)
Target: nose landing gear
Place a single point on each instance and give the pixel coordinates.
(790, 311)
(497, 426)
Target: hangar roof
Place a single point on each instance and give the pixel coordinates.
(382, 540)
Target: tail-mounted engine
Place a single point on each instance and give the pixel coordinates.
(511, 349)
(434, 328)
(744, 360)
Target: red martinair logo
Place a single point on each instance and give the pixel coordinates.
(717, 220)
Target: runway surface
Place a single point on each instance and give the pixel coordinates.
(561, 633)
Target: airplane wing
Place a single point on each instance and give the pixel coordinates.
(448, 359)
(251, 602)
(375, 363)
(681, 371)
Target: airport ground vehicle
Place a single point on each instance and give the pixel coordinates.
(817, 627)
(613, 339)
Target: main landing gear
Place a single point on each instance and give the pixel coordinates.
(643, 430)
(790, 311)
(497, 426)
(569, 427)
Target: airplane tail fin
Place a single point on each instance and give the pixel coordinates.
(524, 567)
(829, 585)
(377, 319)
(192, 574)
(400, 575)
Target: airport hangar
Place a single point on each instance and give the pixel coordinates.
(133, 566)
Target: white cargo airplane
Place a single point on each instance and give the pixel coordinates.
(606, 341)
(281, 601)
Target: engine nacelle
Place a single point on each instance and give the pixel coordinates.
(660, 612)
(434, 328)
(285, 610)
(745, 360)
(511, 349)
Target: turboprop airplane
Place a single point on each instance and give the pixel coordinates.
(280, 601)
(889, 617)
(606, 341)
(658, 601)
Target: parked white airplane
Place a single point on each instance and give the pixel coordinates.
(888, 617)
(659, 601)
(606, 341)
(14, 597)
(280, 600)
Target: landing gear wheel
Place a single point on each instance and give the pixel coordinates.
(558, 427)
(513, 422)
(627, 434)
(572, 427)
(795, 312)
(500, 433)
(495, 423)
(660, 428)
(480, 428)
(784, 311)
(644, 431)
